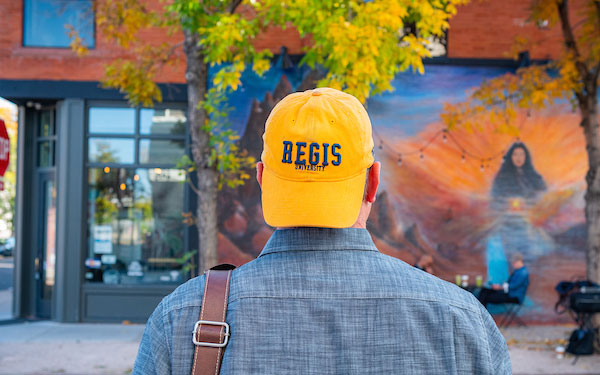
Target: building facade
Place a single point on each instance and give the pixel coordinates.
(99, 212)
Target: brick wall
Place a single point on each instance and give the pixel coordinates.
(18, 62)
(487, 29)
(482, 29)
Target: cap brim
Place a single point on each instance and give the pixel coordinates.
(327, 204)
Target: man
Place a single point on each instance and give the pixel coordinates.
(425, 263)
(512, 291)
(320, 298)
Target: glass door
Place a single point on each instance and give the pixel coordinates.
(45, 212)
(46, 255)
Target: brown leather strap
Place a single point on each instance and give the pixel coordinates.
(207, 360)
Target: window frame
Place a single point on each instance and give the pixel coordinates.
(189, 199)
(136, 136)
(94, 32)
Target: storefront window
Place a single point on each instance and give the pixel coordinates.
(162, 121)
(111, 150)
(135, 227)
(160, 151)
(112, 120)
(46, 139)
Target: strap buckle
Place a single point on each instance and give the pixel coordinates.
(211, 344)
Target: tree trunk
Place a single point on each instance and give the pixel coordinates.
(196, 76)
(589, 122)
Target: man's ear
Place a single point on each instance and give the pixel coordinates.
(373, 182)
(259, 171)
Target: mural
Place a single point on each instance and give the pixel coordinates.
(468, 199)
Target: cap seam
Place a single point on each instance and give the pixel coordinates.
(324, 180)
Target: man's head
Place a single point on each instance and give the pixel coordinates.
(318, 148)
(516, 260)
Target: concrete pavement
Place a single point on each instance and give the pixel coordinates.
(54, 348)
(532, 351)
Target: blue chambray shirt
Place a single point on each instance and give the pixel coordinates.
(326, 301)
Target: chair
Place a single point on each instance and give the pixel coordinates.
(512, 313)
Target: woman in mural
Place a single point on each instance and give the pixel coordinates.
(516, 188)
(517, 178)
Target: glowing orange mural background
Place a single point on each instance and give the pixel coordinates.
(437, 203)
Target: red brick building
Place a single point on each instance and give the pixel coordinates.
(480, 30)
(84, 155)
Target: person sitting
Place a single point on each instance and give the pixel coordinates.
(513, 291)
(425, 263)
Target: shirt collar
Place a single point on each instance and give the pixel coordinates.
(320, 239)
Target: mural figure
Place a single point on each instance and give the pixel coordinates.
(517, 178)
(517, 187)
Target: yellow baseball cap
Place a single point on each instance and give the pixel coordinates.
(317, 148)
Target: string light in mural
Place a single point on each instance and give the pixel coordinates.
(446, 135)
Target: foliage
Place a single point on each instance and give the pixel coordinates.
(224, 36)
(364, 44)
(361, 44)
(186, 261)
(105, 211)
(497, 100)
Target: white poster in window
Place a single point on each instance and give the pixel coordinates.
(102, 239)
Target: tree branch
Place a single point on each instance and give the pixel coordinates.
(596, 73)
(569, 36)
(192, 186)
(596, 70)
(233, 5)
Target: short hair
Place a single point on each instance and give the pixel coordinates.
(516, 257)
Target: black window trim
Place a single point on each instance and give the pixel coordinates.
(136, 136)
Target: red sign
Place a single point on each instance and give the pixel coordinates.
(4, 151)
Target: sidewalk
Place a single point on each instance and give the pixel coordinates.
(532, 351)
(55, 348)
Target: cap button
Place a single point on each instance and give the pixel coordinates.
(316, 93)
